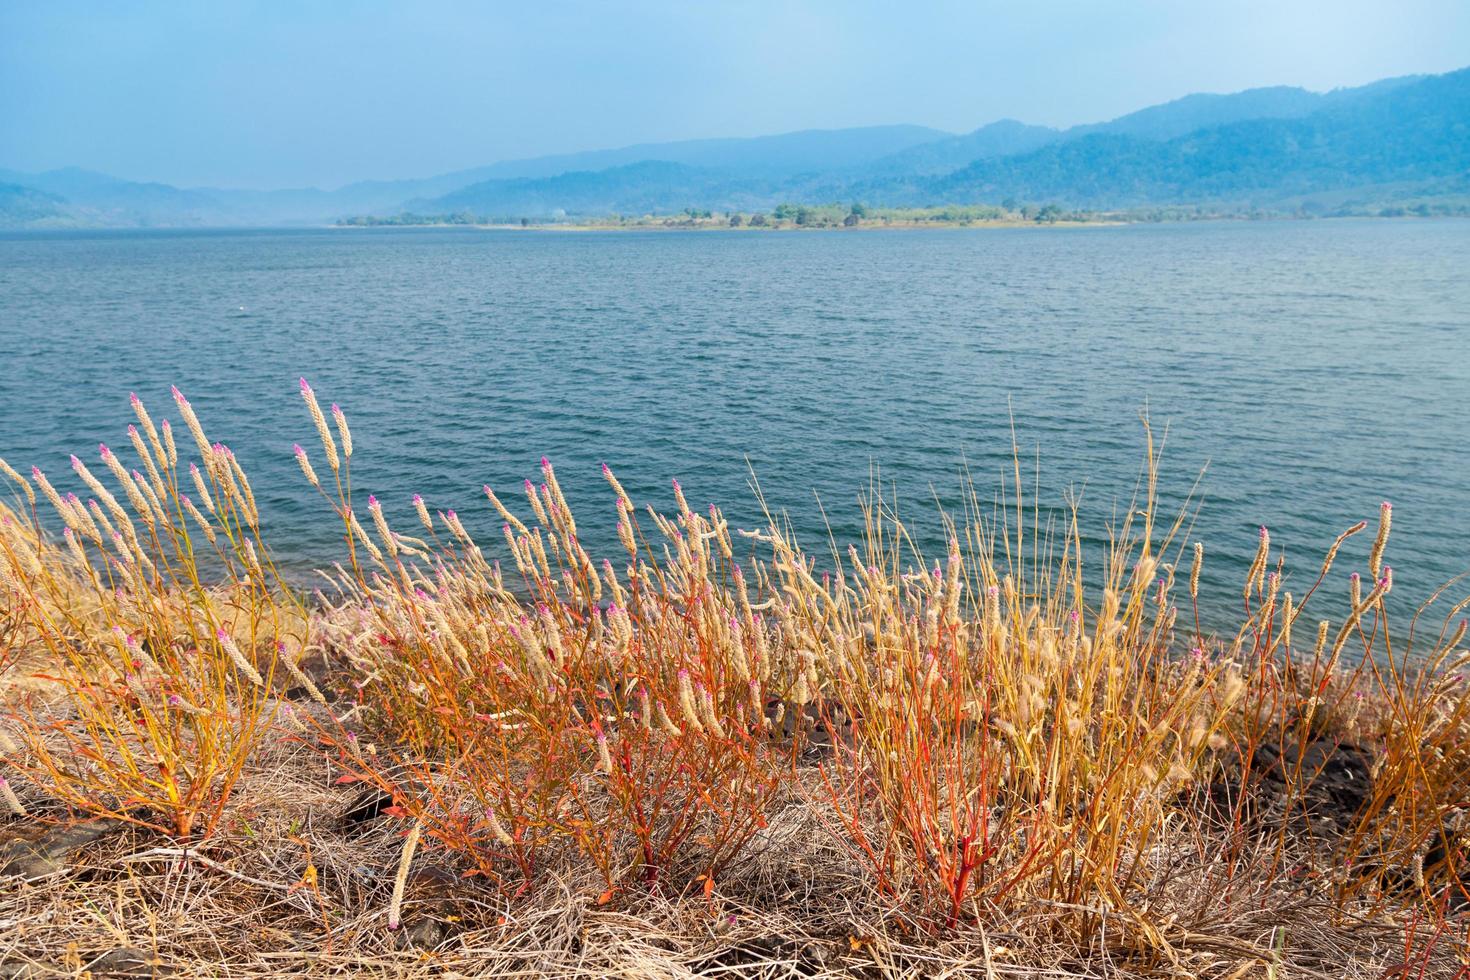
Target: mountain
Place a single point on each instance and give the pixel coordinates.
(97, 199)
(1170, 120)
(998, 139)
(1254, 147)
(1165, 121)
(1193, 112)
(1415, 131)
(734, 158)
(638, 188)
(805, 151)
(1283, 148)
(21, 205)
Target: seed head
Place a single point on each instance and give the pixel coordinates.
(305, 465)
(1385, 524)
(686, 702)
(342, 430)
(329, 445)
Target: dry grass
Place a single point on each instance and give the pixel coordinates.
(717, 754)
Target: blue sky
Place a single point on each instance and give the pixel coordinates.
(259, 94)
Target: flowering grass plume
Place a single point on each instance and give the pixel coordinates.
(158, 619)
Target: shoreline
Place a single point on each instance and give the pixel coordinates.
(714, 227)
(895, 226)
(875, 226)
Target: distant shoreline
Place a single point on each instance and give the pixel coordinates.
(595, 226)
(839, 217)
(553, 226)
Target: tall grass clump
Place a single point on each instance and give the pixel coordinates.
(1017, 734)
(621, 713)
(158, 617)
(1029, 734)
(1352, 734)
(1002, 728)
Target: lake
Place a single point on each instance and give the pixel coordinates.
(1318, 367)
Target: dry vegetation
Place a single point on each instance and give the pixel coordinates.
(714, 753)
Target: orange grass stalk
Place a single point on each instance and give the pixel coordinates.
(157, 643)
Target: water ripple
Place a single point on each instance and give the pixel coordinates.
(1318, 367)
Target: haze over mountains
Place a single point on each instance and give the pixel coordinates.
(1395, 140)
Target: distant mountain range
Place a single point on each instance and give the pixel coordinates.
(1397, 139)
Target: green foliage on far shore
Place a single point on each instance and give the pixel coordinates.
(788, 216)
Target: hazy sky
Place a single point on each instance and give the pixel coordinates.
(259, 94)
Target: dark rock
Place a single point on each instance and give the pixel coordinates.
(433, 881)
(422, 933)
(365, 806)
(29, 860)
(73, 837)
(126, 961)
(46, 853)
(821, 726)
(1332, 779)
(1442, 859)
(799, 956)
(433, 887)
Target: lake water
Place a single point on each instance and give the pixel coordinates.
(1318, 367)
